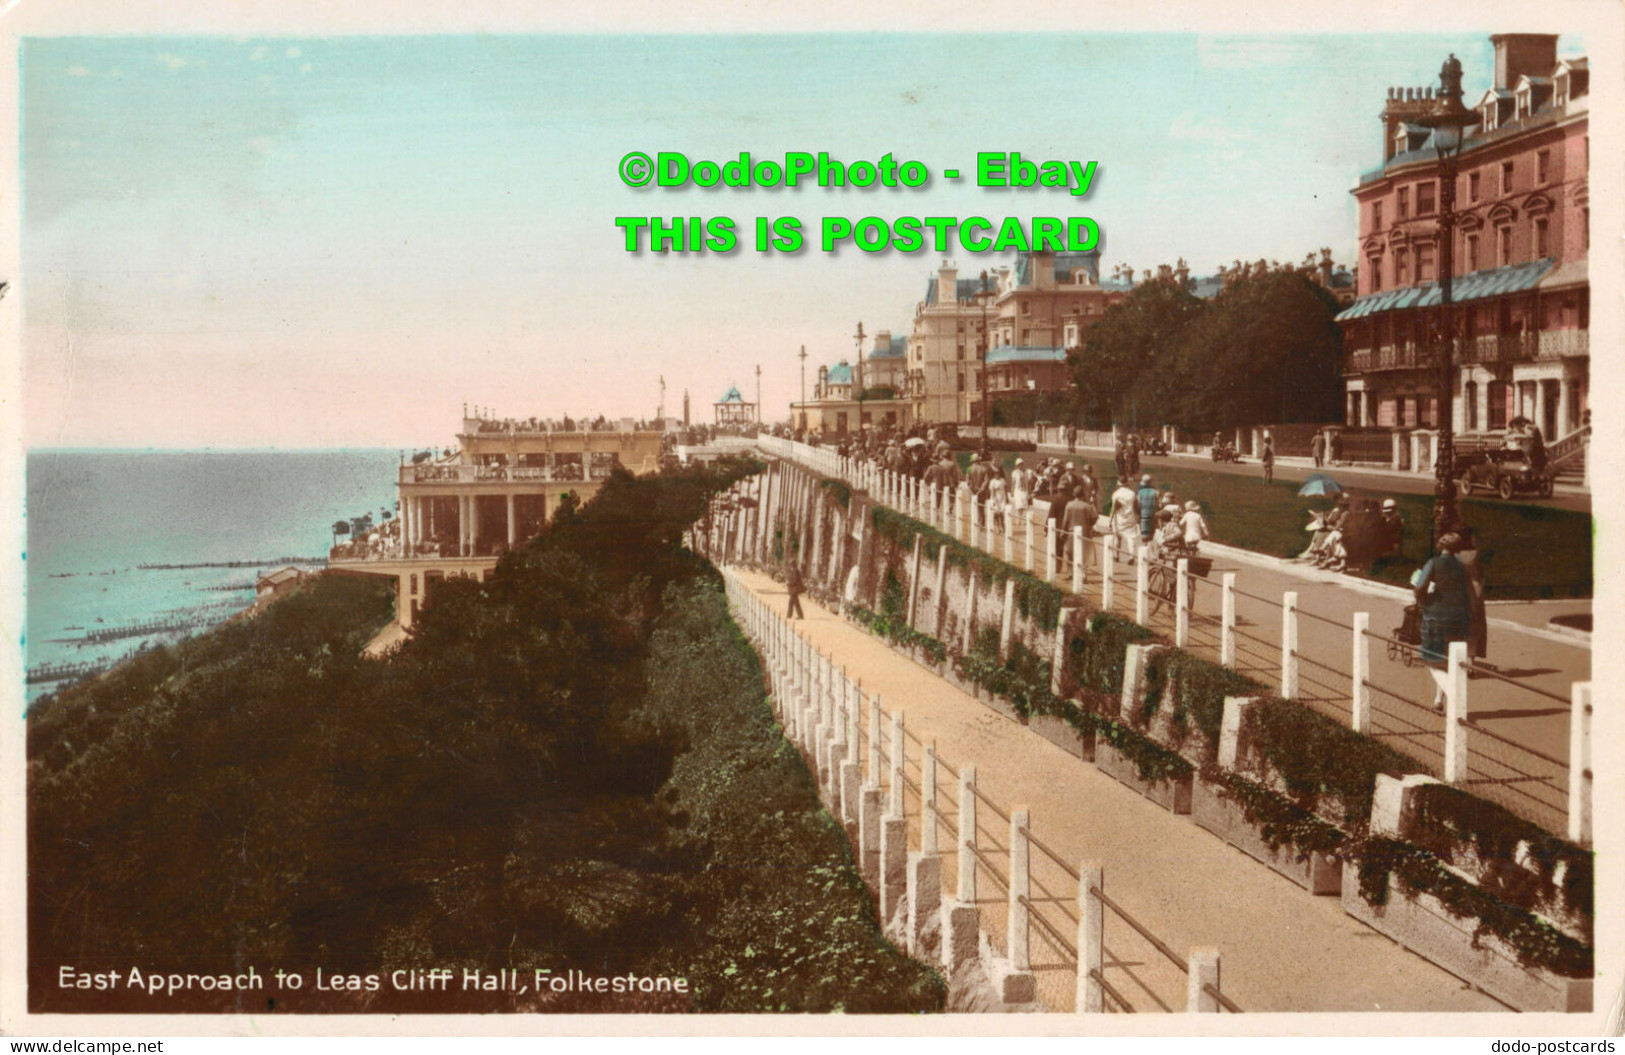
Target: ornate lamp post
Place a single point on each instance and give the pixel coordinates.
(1449, 122)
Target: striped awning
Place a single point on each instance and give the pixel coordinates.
(1479, 285)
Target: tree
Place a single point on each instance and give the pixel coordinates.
(1267, 352)
(1128, 342)
(340, 527)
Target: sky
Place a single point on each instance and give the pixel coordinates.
(337, 241)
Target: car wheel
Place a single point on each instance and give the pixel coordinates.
(1546, 488)
(1464, 487)
(1504, 487)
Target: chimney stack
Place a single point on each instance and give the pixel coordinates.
(1517, 54)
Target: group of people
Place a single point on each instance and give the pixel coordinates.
(1326, 447)
(1155, 519)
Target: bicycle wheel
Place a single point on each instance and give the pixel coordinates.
(1158, 590)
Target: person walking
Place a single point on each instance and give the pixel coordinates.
(1445, 597)
(1080, 513)
(1072, 439)
(1133, 457)
(1146, 505)
(1021, 486)
(1268, 458)
(1334, 448)
(1125, 519)
(1478, 626)
(793, 583)
(1317, 447)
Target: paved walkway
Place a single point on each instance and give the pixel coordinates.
(1283, 950)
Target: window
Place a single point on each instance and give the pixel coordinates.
(1543, 165)
(1472, 252)
(1503, 245)
(1424, 263)
(1585, 230)
(1470, 405)
(1506, 177)
(1472, 186)
(1540, 238)
(1401, 268)
(1404, 207)
(1026, 307)
(1376, 216)
(1424, 199)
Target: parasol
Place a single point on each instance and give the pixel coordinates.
(1320, 484)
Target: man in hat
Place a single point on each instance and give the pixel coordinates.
(979, 475)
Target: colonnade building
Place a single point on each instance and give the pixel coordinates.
(496, 490)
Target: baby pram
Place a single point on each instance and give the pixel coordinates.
(1405, 645)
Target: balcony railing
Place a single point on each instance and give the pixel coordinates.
(468, 474)
(1563, 344)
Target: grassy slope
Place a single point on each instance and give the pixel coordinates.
(788, 923)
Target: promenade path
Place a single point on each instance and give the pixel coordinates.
(1283, 949)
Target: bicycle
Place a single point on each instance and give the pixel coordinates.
(1162, 579)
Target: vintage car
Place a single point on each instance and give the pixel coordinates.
(1504, 471)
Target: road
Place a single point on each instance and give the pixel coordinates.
(1368, 480)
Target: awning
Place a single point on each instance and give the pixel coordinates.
(1480, 285)
(1567, 275)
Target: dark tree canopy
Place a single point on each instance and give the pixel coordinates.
(1264, 351)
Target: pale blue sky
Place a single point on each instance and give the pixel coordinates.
(310, 242)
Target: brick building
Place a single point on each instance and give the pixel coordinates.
(1520, 314)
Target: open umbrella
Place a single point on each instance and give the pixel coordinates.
(1320, 484)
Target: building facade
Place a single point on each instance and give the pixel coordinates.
(1025, 317)
(1520, 317)
(836, 407)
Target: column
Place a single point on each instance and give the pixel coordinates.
(512, 533)
(473, 524)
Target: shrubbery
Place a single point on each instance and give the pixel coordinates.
(514, 788)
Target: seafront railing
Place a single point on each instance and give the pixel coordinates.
(1519, 743)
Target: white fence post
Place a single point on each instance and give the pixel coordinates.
(1289, 645)
(1077, 560)
(1091, 996)
(966, 889)
(895, 805)
(1455, 714)
(1580, 764)
(1018, 922)
(1108, 566)
(1007, 625)
(874, 740)
(1142, 585)
(1049, 551)
(1182, 604)
(1360, 693)
(1203, 972)
(1227, 622)
(928, 800)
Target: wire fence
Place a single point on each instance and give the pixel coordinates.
(894, 792)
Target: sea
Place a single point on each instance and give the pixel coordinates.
(129, 550)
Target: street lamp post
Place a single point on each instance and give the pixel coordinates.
(803, 408)
(981, 380)
(858, 338)
(1449, 122)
